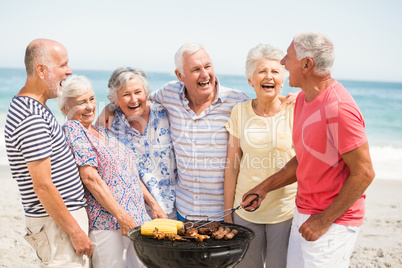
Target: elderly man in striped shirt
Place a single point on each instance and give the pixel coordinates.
(50, 186)
(198, 108)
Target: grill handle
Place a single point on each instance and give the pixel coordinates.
(223, 254)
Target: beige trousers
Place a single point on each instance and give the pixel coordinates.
(52, 245)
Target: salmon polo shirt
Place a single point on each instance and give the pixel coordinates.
(324, 129)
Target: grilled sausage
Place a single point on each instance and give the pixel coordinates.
(230, 235)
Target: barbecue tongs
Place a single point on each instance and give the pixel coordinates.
(231, 210)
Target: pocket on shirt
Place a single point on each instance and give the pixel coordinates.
(37, 238)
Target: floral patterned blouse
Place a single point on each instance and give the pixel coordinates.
(120, 176)
(154, 152)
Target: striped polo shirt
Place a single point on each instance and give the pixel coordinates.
(32, 133)
(200, 144)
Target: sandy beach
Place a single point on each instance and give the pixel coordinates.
(379, 243)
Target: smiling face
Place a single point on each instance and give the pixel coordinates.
(58, 70)
(293, 65)
(133, 100)
(267, 79)
(198, 75)
(81, 108)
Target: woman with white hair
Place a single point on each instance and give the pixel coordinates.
(108, 170)
(260, 144)
(142, 125)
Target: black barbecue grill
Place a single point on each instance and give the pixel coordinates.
(156, 253)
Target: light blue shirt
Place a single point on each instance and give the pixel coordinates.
(200, 143)
(154, 153)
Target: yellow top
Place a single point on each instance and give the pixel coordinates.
(266, 144)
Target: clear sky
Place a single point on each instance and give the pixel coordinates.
(103, 35)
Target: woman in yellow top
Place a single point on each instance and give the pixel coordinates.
(260, 144)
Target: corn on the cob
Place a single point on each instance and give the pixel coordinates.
(163, 225)
(178, 224)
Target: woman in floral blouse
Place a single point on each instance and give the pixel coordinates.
(143, 127)
(108, 170)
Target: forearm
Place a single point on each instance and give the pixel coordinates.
(351, 191)
(157, 211)
(50, 197)
(360, 177)
(51, 200)
(105, 198)
(53, 203)
(148, 198)
(285, 176)
(229, 186)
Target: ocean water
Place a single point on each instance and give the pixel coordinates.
(379, 102)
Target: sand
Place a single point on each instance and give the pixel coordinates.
(379, 243)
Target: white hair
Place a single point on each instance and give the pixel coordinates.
(189, 48)
(318, 47)
(120, 78)
(260, 52)
(74, 86)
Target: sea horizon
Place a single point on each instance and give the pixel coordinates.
(378, 101)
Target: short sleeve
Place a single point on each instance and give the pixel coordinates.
(350, 133)
(352, 129)
(79, 144)
(33, 138)
(232, 125)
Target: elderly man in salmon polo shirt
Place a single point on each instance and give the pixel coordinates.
(332, 165)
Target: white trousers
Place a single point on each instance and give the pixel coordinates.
(111, 249)
(333, 249)
(52, 245)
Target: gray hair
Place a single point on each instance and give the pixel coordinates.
(120, 78)
(260, 52)
(74, 86)
(318, 47)
(189, 48)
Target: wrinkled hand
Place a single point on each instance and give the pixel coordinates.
(158, 213)
(291, 97)
(105, 118)
(82, 244)
(126, 223)
(313, 228)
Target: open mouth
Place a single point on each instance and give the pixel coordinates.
(268, 86)
(133, 107)
(89, 114)
(203, 84)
